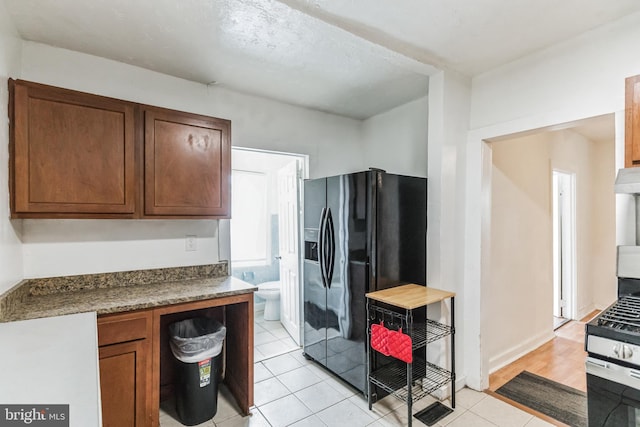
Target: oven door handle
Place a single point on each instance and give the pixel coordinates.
(613, 372)
(596, 362)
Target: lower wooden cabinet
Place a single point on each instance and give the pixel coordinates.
(134, 348)
(123, 384)
(125, 369)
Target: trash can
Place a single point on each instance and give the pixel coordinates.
(196, 345)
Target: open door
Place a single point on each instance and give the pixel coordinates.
(288, 214)
(564, 248)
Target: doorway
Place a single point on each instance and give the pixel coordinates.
(517, 256)
(264, 230)
(564, 251)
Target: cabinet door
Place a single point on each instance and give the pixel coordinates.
(123, 384)
(632, 122)
(72, 153)
(187, 165)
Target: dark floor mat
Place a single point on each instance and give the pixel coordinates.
(556, 400)
(433, 413)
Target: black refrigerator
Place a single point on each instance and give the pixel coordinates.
(363, 232)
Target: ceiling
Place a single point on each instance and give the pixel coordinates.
(597, 129)
(354, 58)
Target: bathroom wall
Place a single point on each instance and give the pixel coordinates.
(268, 163)
(262, 273)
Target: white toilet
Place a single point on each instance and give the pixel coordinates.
(270, 292)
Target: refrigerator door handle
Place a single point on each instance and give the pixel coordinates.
(321, 246)
(326, 248)
(331, 249)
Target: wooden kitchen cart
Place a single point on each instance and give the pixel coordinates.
(406, 307)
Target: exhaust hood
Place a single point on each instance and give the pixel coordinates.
(628, 181)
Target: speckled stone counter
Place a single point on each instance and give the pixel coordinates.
(118, 292)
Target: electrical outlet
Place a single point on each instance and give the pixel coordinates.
(190, 243)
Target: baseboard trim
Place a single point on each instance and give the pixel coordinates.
(584, 312)
(444, 392)
(516, 352)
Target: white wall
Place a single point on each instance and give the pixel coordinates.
(583, 77)
(65, 247)
(604, 238)
(593, 165)
(10, 252)
(519, 303)
(332, 142)
(396, 140)
(575, 80)
(448, 123)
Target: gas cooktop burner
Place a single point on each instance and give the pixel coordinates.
(624, 315)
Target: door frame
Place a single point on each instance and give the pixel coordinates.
(224, 225)
(564, 247)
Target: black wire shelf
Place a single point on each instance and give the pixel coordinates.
(408, 382)
(422, 333)
(427, 378)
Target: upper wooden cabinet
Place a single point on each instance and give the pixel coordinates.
(632, 122)
(77, 155)
(187, 164)
(71, 152)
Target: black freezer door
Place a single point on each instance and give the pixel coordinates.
(401, 231)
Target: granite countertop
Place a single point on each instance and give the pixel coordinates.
(118, 292)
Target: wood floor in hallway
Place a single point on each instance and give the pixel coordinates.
(561, 359)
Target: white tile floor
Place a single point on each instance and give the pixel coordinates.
(292, 391)
(270, 339)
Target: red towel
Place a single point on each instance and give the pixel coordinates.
(399, 345)
(379, 338)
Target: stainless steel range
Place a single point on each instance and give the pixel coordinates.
(613, 346)
(612, 338)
